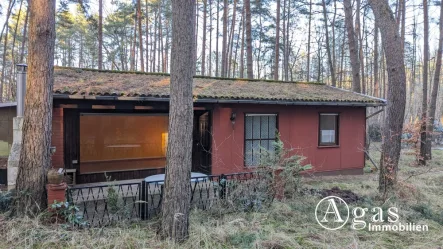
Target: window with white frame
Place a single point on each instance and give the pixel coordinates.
(328, 129)
(260, 133)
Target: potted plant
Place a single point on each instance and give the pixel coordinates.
(55, 176)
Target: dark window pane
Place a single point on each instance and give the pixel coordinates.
(248, 131)
(272, 126)
(259, 135)
(256, 127)
(264, 127)
(265, 144)
(248, 153)
(256, 152)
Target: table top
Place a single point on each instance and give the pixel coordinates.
(195, 176)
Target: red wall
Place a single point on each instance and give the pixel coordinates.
(57, 138)
(298, 126)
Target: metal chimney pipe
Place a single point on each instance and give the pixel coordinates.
(21, 88)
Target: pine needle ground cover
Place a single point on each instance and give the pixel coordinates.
(287, 224)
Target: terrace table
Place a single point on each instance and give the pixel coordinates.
(160, 178)
(196, 179)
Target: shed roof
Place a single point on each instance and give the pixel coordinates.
(8, 104)
(91, 83)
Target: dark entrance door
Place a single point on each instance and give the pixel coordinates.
(201, 149)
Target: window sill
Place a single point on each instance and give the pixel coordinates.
(328, 146)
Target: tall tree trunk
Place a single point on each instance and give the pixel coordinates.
(242, 47)
(225, 38)
(361, 57)
(160, 38)
(333, 51)
(376, 83)
(231, 39)
(5, 26)
(395, 110)
(147, 35)
(284, 42)
(433, 103)
(359, 44)
(413, 62)
(216, 40)
(167, 47)
(403, 23)
(235, 60)
(80, 56)
(205, 10)
(177, 194)
(162, 51)
(154, 48)
(8, 13)
(328, 46)
(25, 38)
(342, 58)
(210, 39)
(308, 71)
(248, 30)
(196, 22)
(2, 84)
(353, 46)
(277, 42)
(287, 45)
(424, 107)
(35, 157)
(11, 71)
(100, 34)
(140, 34)
(133, 44)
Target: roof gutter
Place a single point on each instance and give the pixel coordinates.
(376, 113)
(220, 101)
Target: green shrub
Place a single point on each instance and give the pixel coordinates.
(5, 200)
(426, 212)
(374, 131)
(69, 213)
(286, 160)
(242, 239)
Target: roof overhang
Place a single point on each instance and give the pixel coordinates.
(223, 101)
(8, 104)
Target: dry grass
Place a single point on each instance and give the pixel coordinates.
(288, 224)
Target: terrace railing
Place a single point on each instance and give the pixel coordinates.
(110, 203)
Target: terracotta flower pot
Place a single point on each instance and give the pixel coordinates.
(56, 192)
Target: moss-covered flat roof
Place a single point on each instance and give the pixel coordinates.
(90, 82)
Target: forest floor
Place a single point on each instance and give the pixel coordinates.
(287, 224)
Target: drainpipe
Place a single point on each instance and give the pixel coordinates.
(21, 89)
(14, 155)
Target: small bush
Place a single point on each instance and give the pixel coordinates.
(242, 239)
(374, 131)
(255, 194)
(5, 201)
(286, 160)
(426, 212)
(68, 213)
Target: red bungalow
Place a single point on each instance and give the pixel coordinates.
(117, 122)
